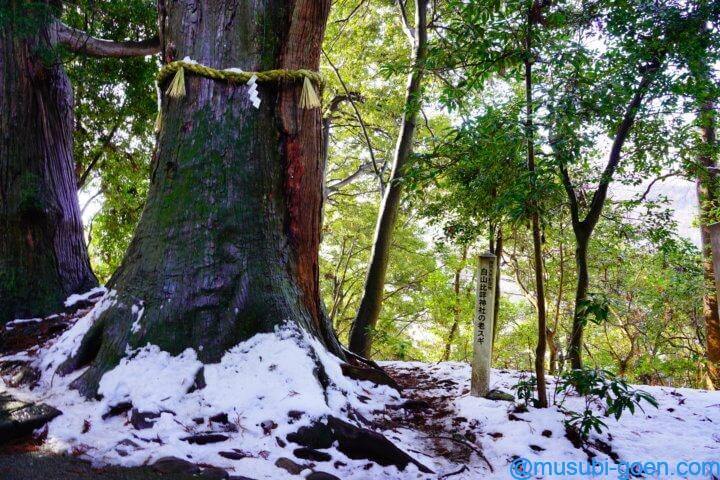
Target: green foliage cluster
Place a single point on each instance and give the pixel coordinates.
(598, 386)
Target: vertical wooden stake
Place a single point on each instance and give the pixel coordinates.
(483, 325)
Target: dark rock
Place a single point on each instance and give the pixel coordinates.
(295, 414)
(355, 442)
(311, 454)
(213, 473)
(321, 476)
(537, 448)
(546, 433)
(220, 418)
(233, 455)
(317, 435)
(290, 466)
(500, 395)
(205, 438)
(141, 420)
(374, 375)
(199, 382)
(362, 443)
(116, 410)
(281, 443)
(18, 419)
(175, 465)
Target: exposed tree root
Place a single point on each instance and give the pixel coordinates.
(355, 442)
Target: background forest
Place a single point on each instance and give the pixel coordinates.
(499, 79)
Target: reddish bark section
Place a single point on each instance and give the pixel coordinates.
(303, 149)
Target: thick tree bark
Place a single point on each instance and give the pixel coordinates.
(707, 185)
(371, 302)
(43, 256)
(227, 245)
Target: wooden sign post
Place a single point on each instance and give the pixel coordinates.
(483, 326)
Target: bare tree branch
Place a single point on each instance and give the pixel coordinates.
(79, 41)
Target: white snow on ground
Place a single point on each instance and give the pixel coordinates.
(684, 428)
(258, 382)
(255, 384)
(79, 297)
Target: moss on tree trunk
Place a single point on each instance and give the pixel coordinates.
(227, 245)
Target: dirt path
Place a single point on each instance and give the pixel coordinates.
(429, 410)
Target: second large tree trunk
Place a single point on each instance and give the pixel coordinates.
(227, 246)
(43, 256)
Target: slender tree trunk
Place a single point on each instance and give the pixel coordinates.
(227, 246)
(537, 235)
(583, 281)
(371, 302)
(552, 333)
(43, 256)
(456, 309)
(707, 185)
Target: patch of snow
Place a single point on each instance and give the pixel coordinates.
(69, 342)
(19, 321)
(79, 297)
(149, 379)
(137, 310)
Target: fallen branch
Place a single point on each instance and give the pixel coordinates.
(457, 472)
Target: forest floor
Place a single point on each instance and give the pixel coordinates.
(256, 417)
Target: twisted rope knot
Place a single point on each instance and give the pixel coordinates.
(235, 76)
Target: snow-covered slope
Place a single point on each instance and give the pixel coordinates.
(684, 428)
(239, 416)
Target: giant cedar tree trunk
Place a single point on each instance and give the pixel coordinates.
(227, 245)
(43, 256)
